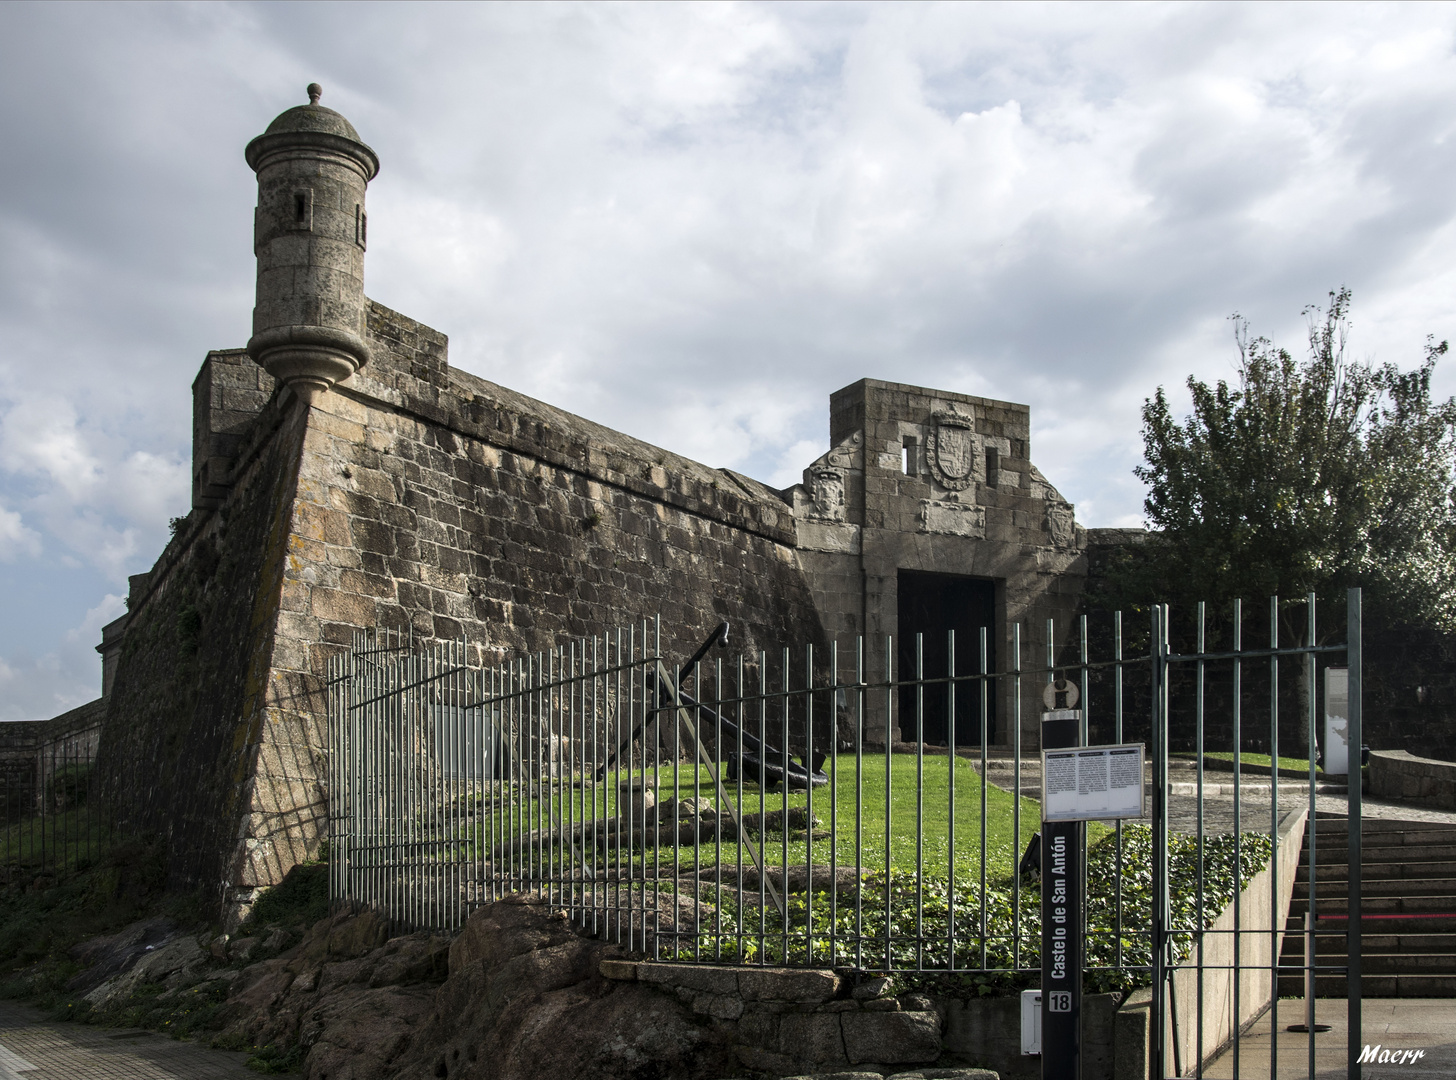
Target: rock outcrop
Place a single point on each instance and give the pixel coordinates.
(525, 999)
(520, 994)
(529, 996)
(349, 995)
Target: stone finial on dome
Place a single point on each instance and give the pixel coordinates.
(315, 91)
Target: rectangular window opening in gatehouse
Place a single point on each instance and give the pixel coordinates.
(993, 467)
(907, 455)
(930, 605)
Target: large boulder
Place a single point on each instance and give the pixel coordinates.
(525, 1000)
(349, 994)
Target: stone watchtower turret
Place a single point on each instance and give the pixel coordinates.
(309, 234)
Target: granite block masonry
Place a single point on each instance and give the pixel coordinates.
(347, 477)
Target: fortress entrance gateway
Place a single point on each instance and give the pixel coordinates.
(931, 605)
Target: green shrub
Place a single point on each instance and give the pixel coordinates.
(913, 932)
(301, 898)
(278, 1059)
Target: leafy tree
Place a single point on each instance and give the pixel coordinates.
(1303, 476)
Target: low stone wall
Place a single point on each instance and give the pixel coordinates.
(32, 751)
(1399, 774)
(785, 1020)
(988, 1032)
(790, 1021)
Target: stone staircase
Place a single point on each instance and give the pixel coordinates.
(1408, 905)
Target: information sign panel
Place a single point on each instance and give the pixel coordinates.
(1092, 783)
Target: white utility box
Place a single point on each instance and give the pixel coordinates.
(1031, 1021)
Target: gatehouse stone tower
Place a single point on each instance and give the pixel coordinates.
(310, 232)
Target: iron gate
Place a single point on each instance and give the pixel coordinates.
(1227, 971)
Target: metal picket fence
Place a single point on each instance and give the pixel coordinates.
(52, 819)
(787, 809)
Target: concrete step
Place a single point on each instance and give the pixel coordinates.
(1371, 986)
(1373, 838)
(1445, 836)
(1381, 963)
(1394, 943)
(1339, 856)
(1224, 787)
(1385, 871)
(1407, 963)
(1373, 887)
(1372, 944)
(1340, 818)
(1382, 924)
(1372, 966)
(1382, 871)
(1373, 908)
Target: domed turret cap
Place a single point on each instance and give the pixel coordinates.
(315, 126)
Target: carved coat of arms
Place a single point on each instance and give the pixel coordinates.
(954, 450)
(828, 494)
(1062, 524)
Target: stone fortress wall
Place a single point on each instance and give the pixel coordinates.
(33, 752)
(346, 477)
(413, 496)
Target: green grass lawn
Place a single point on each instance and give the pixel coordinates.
(919, 805)
(59, 841)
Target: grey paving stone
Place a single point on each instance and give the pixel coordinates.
(55, 1051)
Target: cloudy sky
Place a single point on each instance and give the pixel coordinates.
(693, 222)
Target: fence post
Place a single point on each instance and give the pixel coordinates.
(1356, 777)
(1159, 733)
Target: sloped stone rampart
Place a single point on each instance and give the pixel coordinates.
(186, 719)
(414, 496)
(433, 499)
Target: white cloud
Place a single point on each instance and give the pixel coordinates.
(91, 495)
(15, 538)
(112, 607)
(38, 687)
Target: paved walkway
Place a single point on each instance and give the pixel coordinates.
(1254, 807)
(34, 1048)
(1218, 801)
(1427, 1024)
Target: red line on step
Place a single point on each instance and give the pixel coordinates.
(1420, 915)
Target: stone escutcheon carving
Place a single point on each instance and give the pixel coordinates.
(828, 495)
(1062, 524)
(955, 450)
